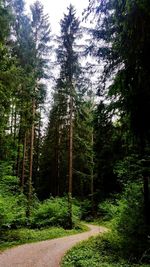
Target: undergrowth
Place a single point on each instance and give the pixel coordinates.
(128, 242)
(15, 237)
(97, 252)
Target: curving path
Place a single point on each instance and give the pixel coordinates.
(45, 253)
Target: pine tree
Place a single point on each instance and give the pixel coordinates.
(83, 147)
(41, 38)
(69, 123)
(68, 60)
(31, 48)
(40, 32)
(122, 38)
(23, 49)
(8, 82)
(53, 167)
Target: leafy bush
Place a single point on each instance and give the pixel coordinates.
(108, 210)
(12, 211)
(12, 202)
(129, 221)
(102, 251)
(13, 207)
(53, 211)
(129, 169)
(9, 184)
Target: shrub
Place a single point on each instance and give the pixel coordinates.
(12, 211)
(108, 210)
(12, 203)
(126, 217)
(53, 211)
(130, 223)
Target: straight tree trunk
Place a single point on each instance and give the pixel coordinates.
(19, 150)
(92, 179)
(15, 123)
(12, 119)
(37, 162)
(31, 161)
(13, 126)
(23, 162)
(58, 161)
(70, 161)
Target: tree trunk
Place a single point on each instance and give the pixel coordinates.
(92, 178)
(15, 124)
(19, 150)
(23, 163)
(37, 161)
(31, 161)
(70, 161)
(12, 119)
(58, 161)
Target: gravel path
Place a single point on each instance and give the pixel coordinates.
(45, 253)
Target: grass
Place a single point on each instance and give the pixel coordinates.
(100, 222)
(12, 238)
(97, 252)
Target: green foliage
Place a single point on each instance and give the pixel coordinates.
(107, 210)
(24, 235)
(53, 212)
(129, 169)
(8, 73)
(12, 202)
(95, 253)
(108, 149)
(83, 148)
(81, 255)
(12, 211)
(126, 245)
(121, 40)
(130, 222)
(69, 84)
(86, 210)
(102, 251)
(9, 185)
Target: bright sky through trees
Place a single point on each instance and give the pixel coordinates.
(57, 8)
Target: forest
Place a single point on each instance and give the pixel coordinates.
(74, 129)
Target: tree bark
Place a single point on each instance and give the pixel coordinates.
(37, 161)
(15, 124)
(92, 178)
(70, 161)
(31, 161)
(23, 163)
(58, 161)
(19, 150)
(12, 119)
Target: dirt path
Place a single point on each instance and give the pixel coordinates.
(45, 253)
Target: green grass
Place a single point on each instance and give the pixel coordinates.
(100, 222)
(11, 238)
(96, 252)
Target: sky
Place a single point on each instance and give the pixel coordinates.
(56, 8)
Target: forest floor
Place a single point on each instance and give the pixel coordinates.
(46, 253)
